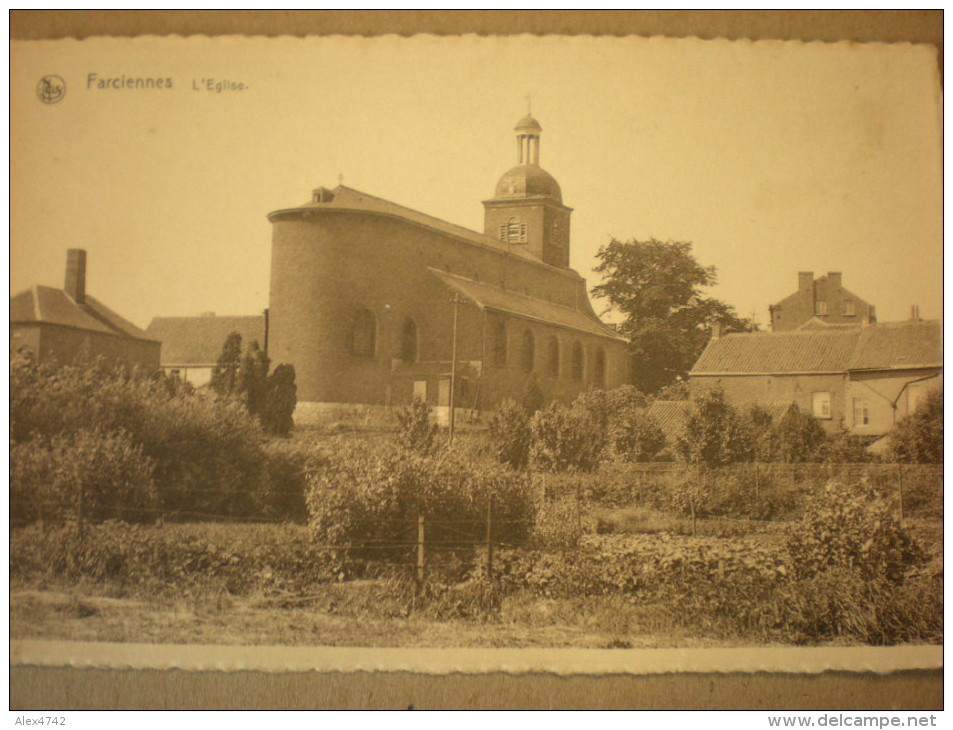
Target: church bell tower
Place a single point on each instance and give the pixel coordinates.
(527, 209)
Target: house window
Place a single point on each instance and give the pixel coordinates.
(821, 404)
(364, 334)
(553, 356)
(820, 307)
(849, 310)
(513, 231)
(575, 363)
(529, 351)
(599, 368)
(861, 412)
(408, 341)
(499, 344)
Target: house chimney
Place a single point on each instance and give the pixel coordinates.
(805, 281)
(834, 278)
(76, 274)
(915, 312)
(716, 330)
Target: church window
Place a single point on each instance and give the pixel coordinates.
(499, 344)
(513, 231)
(408, 341)
(529, 351)
(599, 368)
(364, 334)
(554, 356)
(557, 235)
(575, 363)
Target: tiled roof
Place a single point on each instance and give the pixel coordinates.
(778, 352)
(899, 345)
(882, 346)
(198, 340)
(349, 199)
(491, 297)
(670, 416)
(48, 305)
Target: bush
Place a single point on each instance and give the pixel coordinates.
(415, 430)
(367, 501)
(919, 437)
(714, 434)
(621, 414)
(284, 483)
(510, 434)
(89, 473)
(565, 438)
(851, 528)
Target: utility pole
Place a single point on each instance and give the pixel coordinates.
(456, 301)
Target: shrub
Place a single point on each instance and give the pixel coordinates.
(367, 500)
(621, 414)
(919, 436)
(714, 433)
(281, 399)
(415, 430)
(284, 483)
(850, 527)
(795, 437)
(565, 438)
(510, 434)
(91, 474)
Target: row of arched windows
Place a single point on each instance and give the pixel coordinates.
(364, 344)
(553, 364)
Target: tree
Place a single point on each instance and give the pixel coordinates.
(252, 378)
(657, 287)
(225, 374)
(281, 399)
(919, 436)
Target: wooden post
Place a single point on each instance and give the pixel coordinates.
(489, 538)
(757, 482)
(900, 488)
(453, 369)
(691, 506)
(578, 510)
(421, 556)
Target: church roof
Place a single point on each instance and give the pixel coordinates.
(527, 181)
(345, 198)
(528, 124)
(49, 305)
(487, 296)
(198, 341)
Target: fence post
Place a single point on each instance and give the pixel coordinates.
(421, 556)
(757, 483)
(489, 540)
(900, 488)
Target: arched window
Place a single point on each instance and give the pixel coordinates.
(599, 368)
(499, 343)
(553, 359)
(575, 364)
(529, 351)
(408, 341)
(513, 231)
(364, 333)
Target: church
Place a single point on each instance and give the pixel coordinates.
(374, 303)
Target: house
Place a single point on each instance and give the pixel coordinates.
(69, 326)
(823, 300)
(374, 303)
(191, 345)
(866, 378)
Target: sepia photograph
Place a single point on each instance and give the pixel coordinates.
(554, 350)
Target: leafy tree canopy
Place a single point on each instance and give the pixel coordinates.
(657, 287)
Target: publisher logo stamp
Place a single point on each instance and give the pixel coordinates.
(51, 89)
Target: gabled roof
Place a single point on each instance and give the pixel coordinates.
(48, 305)
(899, 345)
(197, 341)
(882, 346)
(487, 296)
(798, 351)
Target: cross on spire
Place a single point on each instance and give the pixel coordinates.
(529, 103)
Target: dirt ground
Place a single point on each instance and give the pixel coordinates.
(50, 614)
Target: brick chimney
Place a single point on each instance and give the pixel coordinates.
(76, 274)
(805, 281)
(915, 312)
(834, 279)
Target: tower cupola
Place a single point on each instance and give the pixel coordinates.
(527, 207)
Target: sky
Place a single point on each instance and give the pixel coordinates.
(770, 157)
